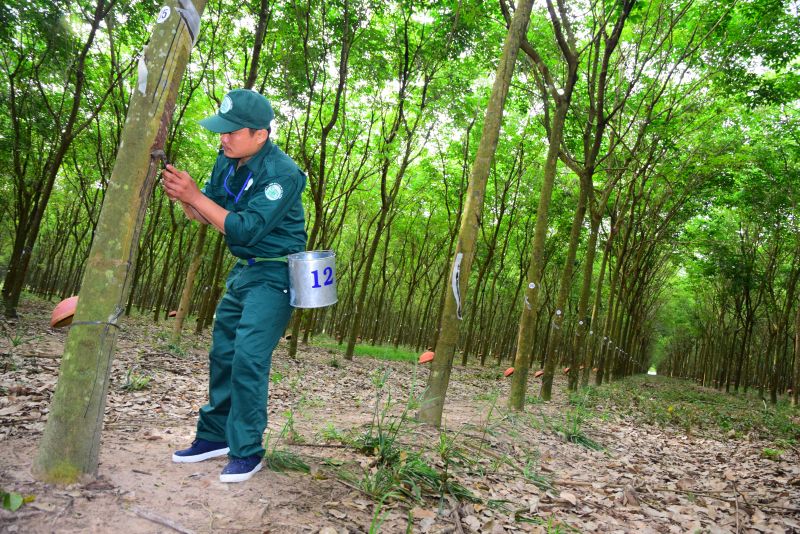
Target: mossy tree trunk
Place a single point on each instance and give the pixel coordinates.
(186, 294)
(530, 309)
(70, 445)
(449, 324)
(555, 348)
(561, 97)
(796, 377)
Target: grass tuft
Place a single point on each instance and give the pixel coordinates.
(283, 460)
(135, 381)
(398, 472)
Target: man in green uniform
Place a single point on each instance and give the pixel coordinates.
(254, 199)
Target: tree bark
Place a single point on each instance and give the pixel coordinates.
(70, 445)
(433, 400)
(563, 292)
(530, 308)
(796, 374)
(183, 307)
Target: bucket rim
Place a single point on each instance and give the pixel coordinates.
(311, 255)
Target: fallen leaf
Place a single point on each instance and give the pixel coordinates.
(533, 504)
(99, 484)
(152, 435)
(629, 497)
(338, 514)
(418, 512)
(14, 408)
(569, 497)
(473, 522)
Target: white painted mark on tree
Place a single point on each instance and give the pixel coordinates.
(532, 285)
(455, 280)
(141, 86)
(163, 14)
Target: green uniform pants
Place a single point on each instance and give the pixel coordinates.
(251, 318)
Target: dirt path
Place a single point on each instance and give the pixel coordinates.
(528, 477)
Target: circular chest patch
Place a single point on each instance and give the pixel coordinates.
(227, 105)
(273, 191)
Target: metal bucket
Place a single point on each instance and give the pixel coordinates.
(312, 279)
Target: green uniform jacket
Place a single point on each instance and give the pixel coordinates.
(265, 221)
(263, 197)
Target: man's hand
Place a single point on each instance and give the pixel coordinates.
(179, 185)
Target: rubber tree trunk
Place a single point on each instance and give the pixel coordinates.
(530, 308)
(70, 445)
(561, 301)
(186, 294)
(433, 401)
(483, 270)
(355, 326)
(594, 332)
(579, 349)
(212, 288)
(796, 377)
(608, 320)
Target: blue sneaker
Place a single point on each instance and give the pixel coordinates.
(201, 449)
(241, 469)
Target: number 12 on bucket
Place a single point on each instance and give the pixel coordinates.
(327, 272)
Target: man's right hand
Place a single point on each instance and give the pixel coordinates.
(179, 185)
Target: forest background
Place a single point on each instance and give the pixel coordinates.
(664, 234)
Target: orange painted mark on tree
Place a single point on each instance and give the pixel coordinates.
(509, 371)
(538, 373)
(566, 370)
(172, 313)
(426, 357)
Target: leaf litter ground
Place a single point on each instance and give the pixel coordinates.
(590, 462)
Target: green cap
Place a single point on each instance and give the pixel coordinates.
(241, 108)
